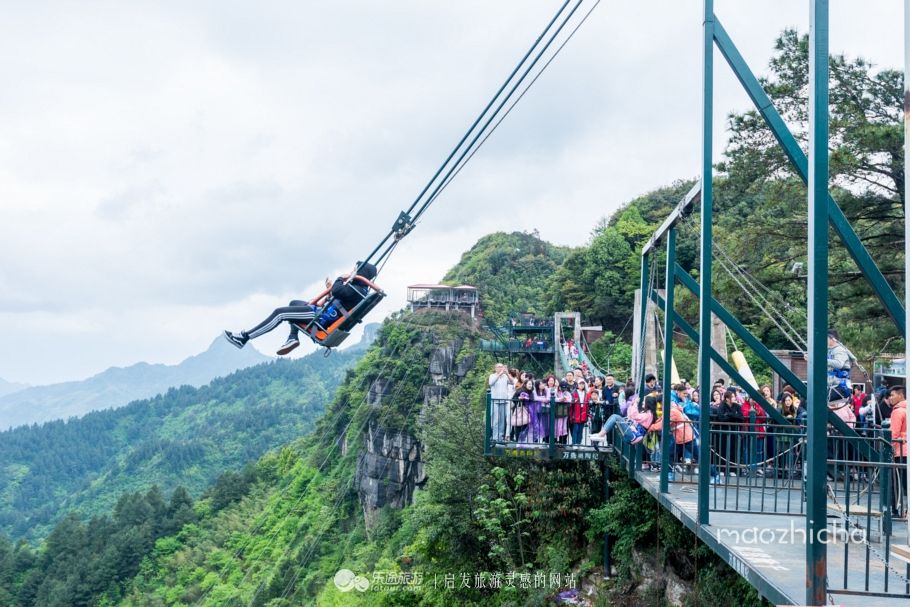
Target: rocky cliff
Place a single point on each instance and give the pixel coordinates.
(390, 468)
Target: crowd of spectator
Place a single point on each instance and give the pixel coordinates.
(587, 407)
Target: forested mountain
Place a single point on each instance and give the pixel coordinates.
(8, 387)
(117, 386)
(186, 436)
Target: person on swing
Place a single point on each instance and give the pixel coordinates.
(345, 290)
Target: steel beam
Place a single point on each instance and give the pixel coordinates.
(907, 197)
(759, 348)
(669, 285)
(692, 197)
(798, 159)
(724, 364)
(638, 373)
(817, 405)
(707, 216)
(744, 334)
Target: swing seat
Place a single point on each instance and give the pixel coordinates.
(331, 332)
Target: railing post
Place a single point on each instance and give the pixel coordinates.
(753, 442)
(669, 284)
(552, 423)
(488, 425)
(707, 210)
(817, 380)
(606, 555)
(885, 476)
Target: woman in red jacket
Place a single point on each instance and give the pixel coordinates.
(578, 411)
(754, 443)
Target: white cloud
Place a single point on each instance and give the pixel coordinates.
(171, 169)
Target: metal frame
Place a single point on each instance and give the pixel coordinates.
(823, 211)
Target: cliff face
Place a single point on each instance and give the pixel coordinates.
(390, 468)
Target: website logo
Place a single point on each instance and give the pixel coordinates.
(346, 581)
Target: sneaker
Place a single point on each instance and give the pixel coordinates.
(237, 341)
(288, 346)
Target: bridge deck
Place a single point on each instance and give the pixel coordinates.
(777, 565)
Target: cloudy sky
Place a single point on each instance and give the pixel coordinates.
(170, 169)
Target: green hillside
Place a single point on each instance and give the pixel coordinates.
(187, 436)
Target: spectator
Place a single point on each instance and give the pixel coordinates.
(539, 419)
(883, 409)
(681, 427)
(730, 415)
(501, 389)
(563, 400)
(859, 398)
(521, 401)
(597, 405)
(578, 413)
(899, 442)
(515, 374)
(643, 418)
(651, 385)
(611, 391)
(787, 407)
(754, 446)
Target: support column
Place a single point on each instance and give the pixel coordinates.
(704, 313)
(606, 556)
(907, 197)
(669, 283)
(642, 321)
(816, 551)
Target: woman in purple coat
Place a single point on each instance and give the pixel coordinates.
(540, 413)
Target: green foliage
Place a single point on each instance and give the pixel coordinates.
(613, 355)
(510, 271)
(600, 278)
(187, 436)
(84, 564)
(637, 523)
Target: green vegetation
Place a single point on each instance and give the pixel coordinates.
(760, 217)
(187, 436)
(275, 534)
(510, 271)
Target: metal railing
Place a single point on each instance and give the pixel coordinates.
(543, 428)
(759, 468)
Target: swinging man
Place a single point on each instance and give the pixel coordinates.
(347, 291)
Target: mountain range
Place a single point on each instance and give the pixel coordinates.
(185, 437)
(8, 387)
(118, 386)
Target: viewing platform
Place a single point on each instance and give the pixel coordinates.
(444, 297)
(756, 496)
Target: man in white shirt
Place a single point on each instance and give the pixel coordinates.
(501, 389)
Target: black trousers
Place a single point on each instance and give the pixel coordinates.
(295, 311)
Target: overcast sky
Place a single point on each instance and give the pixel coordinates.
(171, 169)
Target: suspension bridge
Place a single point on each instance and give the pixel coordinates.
(807, 517)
